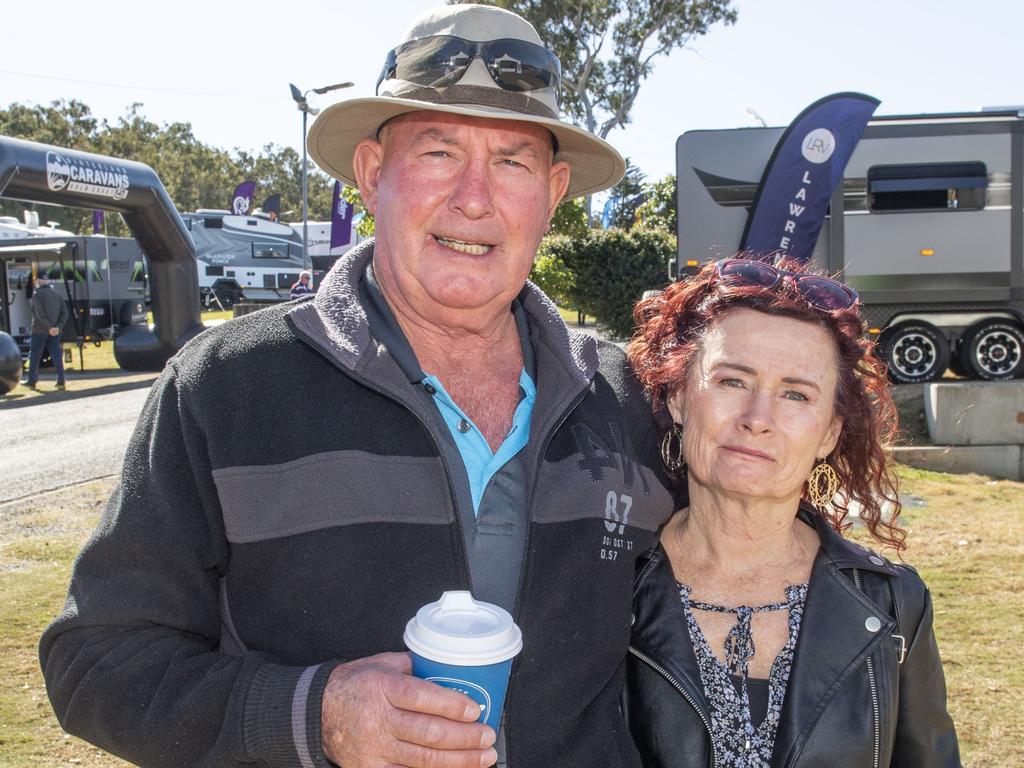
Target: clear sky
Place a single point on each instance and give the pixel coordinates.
(225, 67)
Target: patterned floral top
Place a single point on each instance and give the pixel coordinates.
(737, 743)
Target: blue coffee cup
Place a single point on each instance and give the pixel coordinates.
(466, 645)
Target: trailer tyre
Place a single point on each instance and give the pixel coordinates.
(228, 297)
(993, 349)
(914, 353)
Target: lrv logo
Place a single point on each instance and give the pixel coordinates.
(90, 177)
(818, 145)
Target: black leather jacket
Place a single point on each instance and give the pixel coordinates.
(850, 701)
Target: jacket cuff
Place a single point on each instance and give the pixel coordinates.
(281, 722)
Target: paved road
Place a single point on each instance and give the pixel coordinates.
(57, 443)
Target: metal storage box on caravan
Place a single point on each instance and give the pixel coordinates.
(931, 237)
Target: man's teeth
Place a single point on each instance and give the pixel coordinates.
(473, 249)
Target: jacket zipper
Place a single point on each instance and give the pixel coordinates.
(675, 684)
(871, 683)
(526, 541)
(533, 491)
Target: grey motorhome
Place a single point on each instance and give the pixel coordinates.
(103, 280)
(244, 257)
(931, 236)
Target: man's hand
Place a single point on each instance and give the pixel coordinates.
(54, 331)
(376, 714)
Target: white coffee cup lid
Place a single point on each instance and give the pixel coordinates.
(460, 630)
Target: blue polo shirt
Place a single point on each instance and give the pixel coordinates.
(481, 464)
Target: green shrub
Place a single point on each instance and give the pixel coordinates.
(550, 273)
(609, 269)
(571, 218)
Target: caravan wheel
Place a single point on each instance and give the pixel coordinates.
(227, 297)
(993, 349)
(914, 353)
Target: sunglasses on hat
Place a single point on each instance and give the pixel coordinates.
(441, 60)
(822, 293)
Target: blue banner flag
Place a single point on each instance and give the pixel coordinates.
(804, 170)
(608, 212)
(341, 219)
(241, 199)
(97, 222)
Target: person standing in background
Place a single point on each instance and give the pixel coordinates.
(302, 287)
(49, 313)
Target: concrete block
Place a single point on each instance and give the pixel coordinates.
(975, 412)
(1002, 461)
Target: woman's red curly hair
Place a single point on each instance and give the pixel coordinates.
(672, 326)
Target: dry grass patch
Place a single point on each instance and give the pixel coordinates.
(38, 542)
(965, 536)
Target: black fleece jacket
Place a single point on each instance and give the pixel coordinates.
(211, 604)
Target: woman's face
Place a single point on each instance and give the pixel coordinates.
(757, 406)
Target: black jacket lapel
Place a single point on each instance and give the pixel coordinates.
(658, 624)
(836, 610)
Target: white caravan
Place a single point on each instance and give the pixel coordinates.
(247, 258)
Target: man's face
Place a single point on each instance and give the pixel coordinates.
(461, 204)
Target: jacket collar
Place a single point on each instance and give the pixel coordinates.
(843, 553)
(336, 320)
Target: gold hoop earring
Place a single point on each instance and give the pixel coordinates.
(823, 484)
(675, 460)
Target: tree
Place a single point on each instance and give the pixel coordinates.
(659, 209)
(608, 47)
(626, 198)
(551, 275)
(367, 225)
(194, 174)
(570, 219)
(279, 170)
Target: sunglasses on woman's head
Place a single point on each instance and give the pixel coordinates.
(820, 292)
(441, 60)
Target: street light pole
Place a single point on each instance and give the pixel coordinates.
(306, 110)
(305, 193)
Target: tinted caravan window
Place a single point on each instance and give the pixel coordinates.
(927, 186)
(269, 251)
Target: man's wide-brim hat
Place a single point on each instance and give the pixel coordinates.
(336, 132)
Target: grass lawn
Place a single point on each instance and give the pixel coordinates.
(571, 317)
(966, 537)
